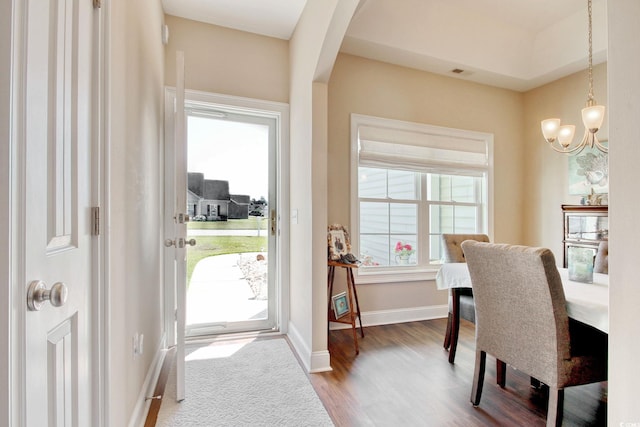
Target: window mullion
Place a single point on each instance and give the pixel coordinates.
(423, 222)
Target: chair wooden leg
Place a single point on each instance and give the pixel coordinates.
(555, 408)
(447, 334)
(455, 324)
(478, 377)
(501, 373)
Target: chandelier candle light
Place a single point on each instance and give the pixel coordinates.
(592, 117)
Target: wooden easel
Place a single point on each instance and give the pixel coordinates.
(354, 309)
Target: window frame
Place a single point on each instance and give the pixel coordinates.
(423, 270)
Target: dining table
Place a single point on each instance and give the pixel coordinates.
(586, 302)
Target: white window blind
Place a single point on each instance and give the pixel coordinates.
(430, 149)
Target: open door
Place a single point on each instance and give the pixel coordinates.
(175, 226)
(224, 161)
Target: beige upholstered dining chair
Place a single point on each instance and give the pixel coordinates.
(601, 263)
(521, 319)
(453, 253)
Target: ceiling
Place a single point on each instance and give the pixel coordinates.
(514, 44)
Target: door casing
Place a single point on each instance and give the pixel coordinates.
(280, 112)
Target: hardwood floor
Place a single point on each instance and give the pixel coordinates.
(402, 378)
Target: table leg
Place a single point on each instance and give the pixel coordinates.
(355, 294)
(331, 275)
(352, 312)
(501, 373)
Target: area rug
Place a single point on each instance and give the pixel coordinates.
(243, 383)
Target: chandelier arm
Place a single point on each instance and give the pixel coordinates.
(577, 149)
(599, 145)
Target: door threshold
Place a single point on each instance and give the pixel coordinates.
(233, 336)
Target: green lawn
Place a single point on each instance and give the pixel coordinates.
(219, 245)
(232, 224)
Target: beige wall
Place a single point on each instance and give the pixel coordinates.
(363, 86)
(225, 61)
(624, 292)
(136, 80)
(545, 173)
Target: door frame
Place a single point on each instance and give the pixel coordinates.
(13, 223)
(280, 111)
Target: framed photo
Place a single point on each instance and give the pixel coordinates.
(338, 241)
(340, 304)
(589, 172)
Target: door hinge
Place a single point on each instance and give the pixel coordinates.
(274, 222)
(95, 221)
(97, 4)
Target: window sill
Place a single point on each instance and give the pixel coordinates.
(396, 275)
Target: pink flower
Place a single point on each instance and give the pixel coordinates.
(403, 249)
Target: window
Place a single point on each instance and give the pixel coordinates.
(412, 183)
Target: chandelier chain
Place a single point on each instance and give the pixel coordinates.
(590, 96)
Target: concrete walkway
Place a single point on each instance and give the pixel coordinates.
(219, 293)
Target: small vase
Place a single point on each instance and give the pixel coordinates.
(403, 259)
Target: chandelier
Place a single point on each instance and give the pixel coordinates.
(560, 136)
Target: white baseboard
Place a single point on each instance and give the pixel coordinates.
(317, 361)
(388, 317)
(140, 411)
(320, 361)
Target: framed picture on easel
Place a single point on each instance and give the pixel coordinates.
(338, 241)
(340, 304)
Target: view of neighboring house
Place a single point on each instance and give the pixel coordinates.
(211, 199)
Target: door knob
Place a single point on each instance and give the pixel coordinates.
(38, 294)
(180, 243)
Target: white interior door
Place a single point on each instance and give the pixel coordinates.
(55, 205)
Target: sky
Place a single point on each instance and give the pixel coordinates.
(230, 151)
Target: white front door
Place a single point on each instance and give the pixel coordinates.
(54, 204)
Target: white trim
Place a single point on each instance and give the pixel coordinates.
(17, 294)
(403, 315)
(312, 362)
(395, 276)
(101, 196)
(320, 362)
(141, 409)
(280, 112)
